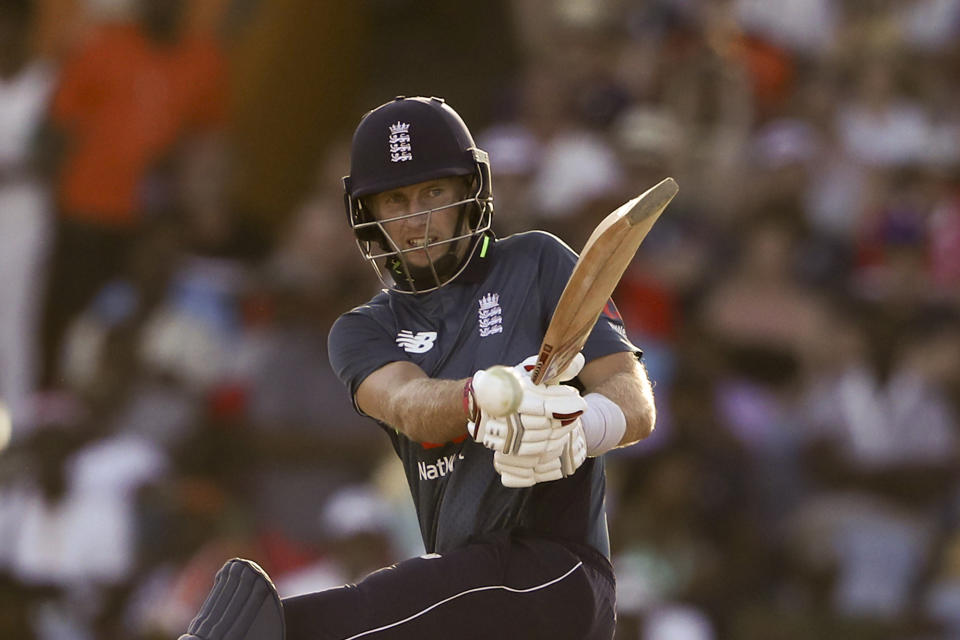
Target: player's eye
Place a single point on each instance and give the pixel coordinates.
(393, 201)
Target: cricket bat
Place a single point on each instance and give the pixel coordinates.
(605, 256)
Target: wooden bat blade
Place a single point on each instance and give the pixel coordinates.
(605, 256)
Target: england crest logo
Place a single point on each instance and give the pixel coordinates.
(400, 147)
(490, 315)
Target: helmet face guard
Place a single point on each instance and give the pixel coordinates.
(405, 142)
(391, 262)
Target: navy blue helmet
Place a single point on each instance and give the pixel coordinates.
(409, 141)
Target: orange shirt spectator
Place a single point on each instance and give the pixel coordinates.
(123, 102)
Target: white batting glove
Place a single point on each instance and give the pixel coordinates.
(572, 370)
(518, 471)
(539, 441)
(545, 417)
(574, 451)
(533, 427)
(525, 471)
(545, 454)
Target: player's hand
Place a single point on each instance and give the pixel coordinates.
(544, 418)
(518, 472)
(574, 451)
(525, 471)
(534, 460)
(569, 373)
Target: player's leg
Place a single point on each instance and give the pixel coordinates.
(505, 588)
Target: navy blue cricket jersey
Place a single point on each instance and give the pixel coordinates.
(496, 312)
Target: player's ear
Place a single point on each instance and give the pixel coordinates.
(373, 233)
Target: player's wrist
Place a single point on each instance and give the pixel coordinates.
(604, 424)
(470, 407)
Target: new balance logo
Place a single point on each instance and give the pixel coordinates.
(419, 342)
(490, 315)
(400, 148)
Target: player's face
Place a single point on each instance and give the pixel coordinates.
(419, 216)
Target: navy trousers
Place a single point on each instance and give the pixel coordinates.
(500, 588)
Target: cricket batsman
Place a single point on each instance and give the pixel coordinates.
(511, 507)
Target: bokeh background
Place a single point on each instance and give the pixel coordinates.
(173, 250)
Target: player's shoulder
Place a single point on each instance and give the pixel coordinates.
(376, 308)
(530, 242)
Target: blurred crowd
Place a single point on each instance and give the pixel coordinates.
(163, 362)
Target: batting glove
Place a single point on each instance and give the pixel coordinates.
(546, 415)
(519, 472)
(572, 370)
(539, 452)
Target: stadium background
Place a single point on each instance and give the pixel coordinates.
(798, 307)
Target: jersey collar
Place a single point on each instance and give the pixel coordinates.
(479, 267)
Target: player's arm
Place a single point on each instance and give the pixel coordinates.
(424, 409)
(622, 380)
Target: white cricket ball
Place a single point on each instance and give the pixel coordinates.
(498, 390)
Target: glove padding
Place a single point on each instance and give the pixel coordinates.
(542, 421)
(544, 440)
(545, 417)
(518, 471)
(571, 371)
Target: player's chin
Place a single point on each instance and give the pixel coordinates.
(422, 258)
(417, 259)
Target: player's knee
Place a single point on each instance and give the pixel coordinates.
(243, 605)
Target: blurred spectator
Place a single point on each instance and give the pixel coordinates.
(943, 232)
(354, 527)
(678, 622)
(664, 555)
(760, 303)
(576, 164)
(884, 462)
(127, 95)
(805, 26)
(76, 483)
(928, 25)
(25, 86)
(941, 596)
(310, 435)
(153, 344)
(514, 157)
(894, 241)
(197, 517)
(879, 125)
(709, 91)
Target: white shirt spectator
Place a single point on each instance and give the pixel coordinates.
(808, 26)
(884, 426)
(576, 168)
(895, 135)
(24, 233)
(89, 535)
(929, 25)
